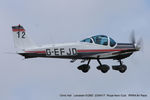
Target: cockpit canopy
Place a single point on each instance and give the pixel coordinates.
(100, 39)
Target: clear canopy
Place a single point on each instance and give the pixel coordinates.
(100, 39)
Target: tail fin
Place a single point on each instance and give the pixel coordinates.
(21, 40)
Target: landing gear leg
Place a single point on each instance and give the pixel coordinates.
(99, 62)
(88, 61)
(104, 68)
(85, 67)
(121, 68)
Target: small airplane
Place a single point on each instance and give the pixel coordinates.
(92, 48)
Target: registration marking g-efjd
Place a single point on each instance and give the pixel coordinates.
(61, 52)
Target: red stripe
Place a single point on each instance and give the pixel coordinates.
(35, 51)
(100, 50)
(15, 30)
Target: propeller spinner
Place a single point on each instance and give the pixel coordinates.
(137, 44)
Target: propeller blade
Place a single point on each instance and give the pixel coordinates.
(139, 44)
(132, 37)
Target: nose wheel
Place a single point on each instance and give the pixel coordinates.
(121, 68)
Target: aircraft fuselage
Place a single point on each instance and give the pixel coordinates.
(79, 50)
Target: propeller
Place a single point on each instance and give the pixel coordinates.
(137, 44)
(132, 38)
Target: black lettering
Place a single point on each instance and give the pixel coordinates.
(69, 53)
(62, 51)
(48, 52)
(74, 51)
(56, 52)
(18, 33)
(23, 34)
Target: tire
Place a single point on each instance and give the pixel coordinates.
(98, 67)
(104, 68)
(122, 68)
(84, 68)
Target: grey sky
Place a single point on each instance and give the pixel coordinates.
(57, 21)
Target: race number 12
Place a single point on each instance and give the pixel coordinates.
(21, 34)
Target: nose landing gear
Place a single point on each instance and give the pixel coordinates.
(121, 68)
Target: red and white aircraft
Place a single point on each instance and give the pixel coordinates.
(95, 47)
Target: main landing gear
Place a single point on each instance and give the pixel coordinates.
(121, 68)
(103, 67)
(85, 67)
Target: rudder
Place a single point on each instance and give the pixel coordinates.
(21, 40)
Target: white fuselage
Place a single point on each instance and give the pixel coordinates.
(71, 49)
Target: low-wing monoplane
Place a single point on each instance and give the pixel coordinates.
(92, 48)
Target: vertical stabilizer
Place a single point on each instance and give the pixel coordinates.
(21, 39)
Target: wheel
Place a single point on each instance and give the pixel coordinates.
(84, 68)
(116, 67)
(81, 66)
(104, 68)
(122, 68)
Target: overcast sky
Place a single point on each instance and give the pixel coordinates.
(57, 21)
